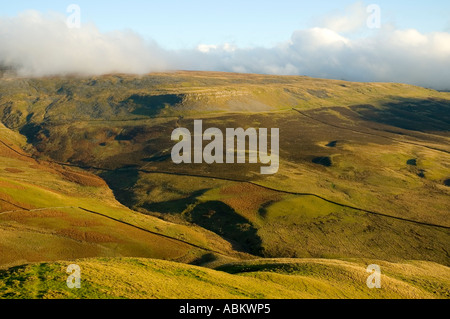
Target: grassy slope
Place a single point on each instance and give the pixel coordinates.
(40, 219)
(369, 172)
(301, 226)
(70, 120)
(145, 278)
(185, 93)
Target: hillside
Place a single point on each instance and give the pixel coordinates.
(364, 175)
(268, 279)
(50, 212)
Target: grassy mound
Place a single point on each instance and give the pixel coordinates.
(295, 278)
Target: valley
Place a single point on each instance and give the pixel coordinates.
(86, 177)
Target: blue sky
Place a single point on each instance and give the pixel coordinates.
(322, 38)
(178, 24)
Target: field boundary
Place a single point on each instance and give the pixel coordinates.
(111, 218)
(245, 181)
(368, 133)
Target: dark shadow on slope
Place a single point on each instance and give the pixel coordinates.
(322, 160)
(34, 133)
(129, 133)
(204, 259)
(151, 105)
(421, 173)
(121, 181)
(236, 268)
(409, 113)
(224, 221)
(262, 211)
(176, 206)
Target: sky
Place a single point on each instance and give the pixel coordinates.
(322, 38)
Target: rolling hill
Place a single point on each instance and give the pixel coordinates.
(86, 173)
(105, 278)
(51, 212)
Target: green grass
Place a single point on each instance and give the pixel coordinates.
(378, 128)
(58, 229)
(295, 278)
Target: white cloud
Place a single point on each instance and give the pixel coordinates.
(207, 48)
(40, 45)
(353, 18)
(43, 45)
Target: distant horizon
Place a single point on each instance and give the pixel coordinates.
(358, 41)
(88, 76)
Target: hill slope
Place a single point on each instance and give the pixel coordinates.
(49, 212)
(145, 278)
(86, 172)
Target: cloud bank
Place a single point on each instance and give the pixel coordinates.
(38, 45)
